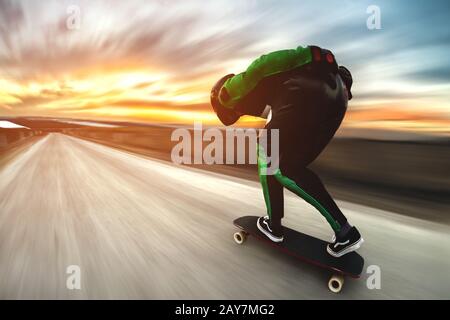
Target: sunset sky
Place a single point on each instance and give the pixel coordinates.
(157, 60)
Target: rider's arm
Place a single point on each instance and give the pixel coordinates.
(235, 89)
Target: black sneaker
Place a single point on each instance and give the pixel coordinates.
(350, 242)
(263, 225)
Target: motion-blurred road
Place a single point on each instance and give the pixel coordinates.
(142, 228)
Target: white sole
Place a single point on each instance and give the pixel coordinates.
(352, 248)
(268, 234)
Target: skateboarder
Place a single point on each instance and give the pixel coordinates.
(307, 94)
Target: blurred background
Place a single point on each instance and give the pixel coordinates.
(156, 61)
(87, 60)
(124, 74)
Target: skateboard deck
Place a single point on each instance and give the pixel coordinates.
(307, 249)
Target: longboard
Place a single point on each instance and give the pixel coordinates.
(307, 249)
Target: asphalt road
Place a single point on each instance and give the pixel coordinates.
(142, 228)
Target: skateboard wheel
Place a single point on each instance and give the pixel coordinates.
(336, 283)
(240, 237)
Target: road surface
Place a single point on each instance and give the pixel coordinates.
(142, 228)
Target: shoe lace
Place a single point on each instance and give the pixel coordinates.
(268, 227)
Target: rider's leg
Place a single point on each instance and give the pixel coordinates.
(272, 189)
(307, 185)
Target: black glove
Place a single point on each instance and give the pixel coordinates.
(346, 76)
(226, 116)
